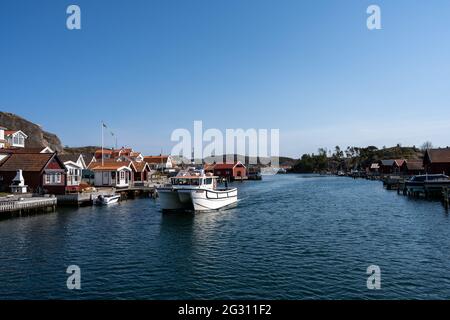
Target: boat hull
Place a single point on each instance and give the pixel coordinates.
(108, 200)
(196, 199)
(170, 200)
(207, 200)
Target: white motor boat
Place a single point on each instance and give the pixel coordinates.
(107, 199)
(197, 192)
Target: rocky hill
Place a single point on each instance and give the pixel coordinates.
(37, 137)
(78, 150)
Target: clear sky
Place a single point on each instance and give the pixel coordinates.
(309, 68)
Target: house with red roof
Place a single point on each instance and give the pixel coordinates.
(141, 172)
(112, 173)
(107, 154)
(437, 161)
(390, 166)
(44, 173)
(160, 162)
(412, 167)
(231, 171)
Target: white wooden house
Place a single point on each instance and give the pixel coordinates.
(15, 138)
(75, 165)
(116, 174)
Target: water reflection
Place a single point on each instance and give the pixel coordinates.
(287, 238)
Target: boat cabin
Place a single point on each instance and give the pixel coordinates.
(204, 181)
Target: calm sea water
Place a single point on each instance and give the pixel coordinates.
(291, 237)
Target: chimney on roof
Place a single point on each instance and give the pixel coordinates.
(18, 183)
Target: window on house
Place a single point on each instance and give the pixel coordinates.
(53, 178)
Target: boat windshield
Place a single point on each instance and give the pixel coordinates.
(186, 181)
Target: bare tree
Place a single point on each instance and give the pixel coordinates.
(426, 145)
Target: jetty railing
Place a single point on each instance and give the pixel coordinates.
(27, 204)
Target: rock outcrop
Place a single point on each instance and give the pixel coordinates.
(37, 137)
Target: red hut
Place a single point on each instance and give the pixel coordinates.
(43, 172)
(231, 171)
(437, 161)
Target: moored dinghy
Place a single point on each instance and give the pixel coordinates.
(195, 191)
(107, 199)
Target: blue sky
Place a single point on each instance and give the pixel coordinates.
(309, 68)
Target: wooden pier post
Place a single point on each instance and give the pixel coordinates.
(446, 198)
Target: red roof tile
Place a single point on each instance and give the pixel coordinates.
(26, 161)
(222, 166)
(414, 165)
(156, 159)
(108, 165)
(439, 155)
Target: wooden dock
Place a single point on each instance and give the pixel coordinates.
(88, 198)
(392, 182)
(28, 205)
(79, 199)
(135, 191)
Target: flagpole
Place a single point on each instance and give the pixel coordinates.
(102, 143)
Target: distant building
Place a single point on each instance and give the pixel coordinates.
(412, 167)
(136, 156)
(160, 162)
(123, 154)
(374, 167)
(107, 154)
(230, 171)
(209, 167)
(391, 166)
(386, 166)
(437, 161)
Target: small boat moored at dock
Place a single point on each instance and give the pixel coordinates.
(195, 192)
(426, 184)
(107, 199)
